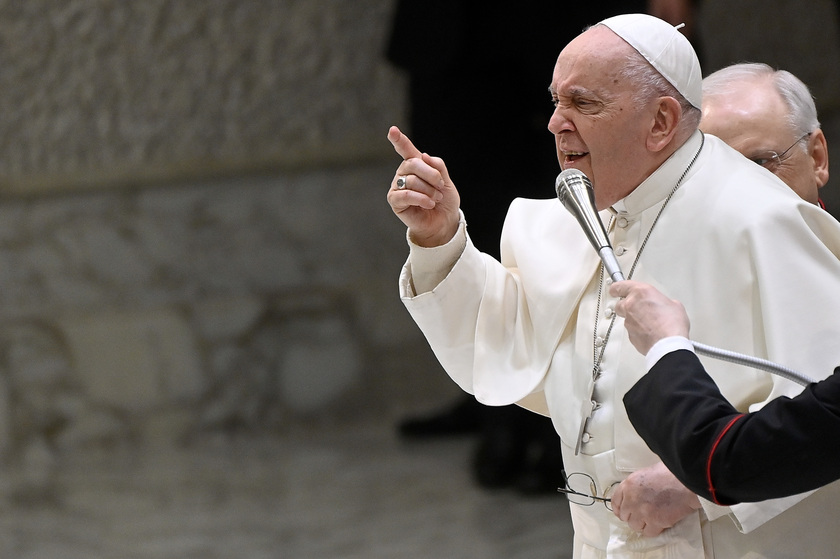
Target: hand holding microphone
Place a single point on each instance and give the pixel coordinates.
(648, 315)
(574, 190)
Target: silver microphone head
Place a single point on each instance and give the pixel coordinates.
(574, 190)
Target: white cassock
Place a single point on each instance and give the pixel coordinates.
(758, 271)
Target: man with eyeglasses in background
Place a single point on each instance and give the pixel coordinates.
(769, 116)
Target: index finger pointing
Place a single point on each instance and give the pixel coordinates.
(402, 145)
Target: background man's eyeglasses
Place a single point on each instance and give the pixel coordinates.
(771, 160)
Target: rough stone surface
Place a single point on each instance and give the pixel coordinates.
(138, 304)
(234, 268)
(103, 92)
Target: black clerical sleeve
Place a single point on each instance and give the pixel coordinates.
(787, 447)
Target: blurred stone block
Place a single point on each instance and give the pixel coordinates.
(135, 361)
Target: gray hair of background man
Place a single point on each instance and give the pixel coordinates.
(802, 112)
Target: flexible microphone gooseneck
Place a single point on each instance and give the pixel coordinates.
(574, 190)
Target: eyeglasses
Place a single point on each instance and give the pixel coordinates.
(581, 490)
(771, 160)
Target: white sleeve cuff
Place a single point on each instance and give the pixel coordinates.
(665, 346)
(430, 266)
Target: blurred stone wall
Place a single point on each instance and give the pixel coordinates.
(104, 92)
(193, 229)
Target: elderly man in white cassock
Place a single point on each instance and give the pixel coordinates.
(757, 268)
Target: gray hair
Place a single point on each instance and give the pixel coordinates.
(650, 84)
(802, 112)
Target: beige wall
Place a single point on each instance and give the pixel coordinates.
(109, 93)
(193, 230)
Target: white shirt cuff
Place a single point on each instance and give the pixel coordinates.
(665, 346)
(430, 266)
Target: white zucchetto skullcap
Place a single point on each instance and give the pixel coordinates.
(665, 48)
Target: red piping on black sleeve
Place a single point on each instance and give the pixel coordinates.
(711, 455)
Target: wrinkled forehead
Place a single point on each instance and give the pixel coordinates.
(593, 60)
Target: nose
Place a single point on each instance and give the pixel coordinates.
(559, 122)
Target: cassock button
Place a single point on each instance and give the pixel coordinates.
(622, 222)
(599, 341)
(608, 312)
(620, 250)
(585, 438)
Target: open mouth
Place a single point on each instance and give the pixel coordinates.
(572, 156)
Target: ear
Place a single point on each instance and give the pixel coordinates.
(818, 150)
(664, 125)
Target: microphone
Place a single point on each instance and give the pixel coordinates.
(574, 190)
